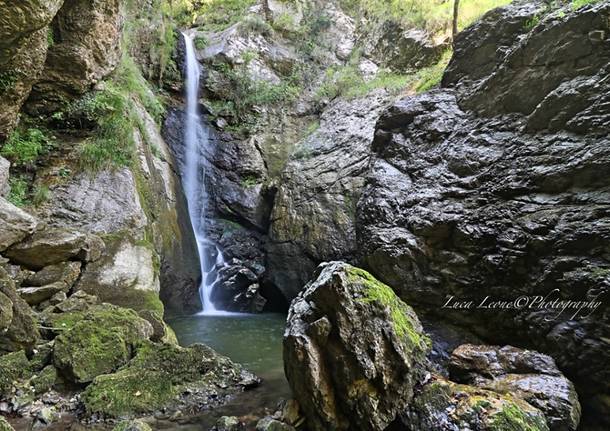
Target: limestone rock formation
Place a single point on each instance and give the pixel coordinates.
(126, 275)
(4, 172)
(353, 352)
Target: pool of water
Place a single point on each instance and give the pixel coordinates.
(253, 340)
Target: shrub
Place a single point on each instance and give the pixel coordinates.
(255, 24)
(23, 147)
(18, 195)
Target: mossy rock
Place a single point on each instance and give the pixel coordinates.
(135, 425)
(4, 425)
(442, 402)
(13, 366)
(155, 376)
(97, 341)
(44, 380)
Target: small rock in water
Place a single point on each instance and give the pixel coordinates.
(270, 424)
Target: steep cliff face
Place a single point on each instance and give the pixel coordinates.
(492, 186)
(292, 93)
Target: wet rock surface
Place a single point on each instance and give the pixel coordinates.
(313, 218)
(353, 352)
(530, 376)
(468, 206)
(446, 406)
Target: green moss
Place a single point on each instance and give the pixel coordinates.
(128, 391)
(7, 80)
(430, 77)
(150, 380)
(401, 314)
(44, 380)
(513, 418)
(13, 366)
(88, 350)
(577, 4)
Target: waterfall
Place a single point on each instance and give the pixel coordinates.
(196, 141)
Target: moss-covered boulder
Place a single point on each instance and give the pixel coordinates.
(44, 380)
(18, 329)
(443, 405)
(97, 341)
(160, 376)
(13, 366)
(353, 351)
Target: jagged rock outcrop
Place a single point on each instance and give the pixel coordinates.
(353, 351)
(401, 49)
(85, 38)
(528, 375)
(15, 224)
(53, 246)
(465, 206)
(23, 49)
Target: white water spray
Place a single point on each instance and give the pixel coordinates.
(196, 140)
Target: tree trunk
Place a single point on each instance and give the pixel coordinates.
(456, 8)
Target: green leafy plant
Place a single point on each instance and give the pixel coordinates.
(18, 194)
(23, 147)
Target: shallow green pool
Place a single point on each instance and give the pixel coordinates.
(253, 340)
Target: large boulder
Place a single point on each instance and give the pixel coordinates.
(441, 405)
(64, 272)
(166, 377)
(97, 341)
(18, 326)
(463, 206)
(524, 374)
(86, 35)
(52, 246)
(15, 224)
(23, 49)
(353, 351)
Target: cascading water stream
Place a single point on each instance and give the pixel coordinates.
(196, 140)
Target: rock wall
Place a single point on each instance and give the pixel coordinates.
(490, 187)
